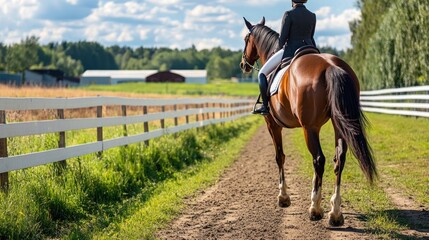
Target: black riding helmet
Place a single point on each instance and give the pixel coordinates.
(299, 1)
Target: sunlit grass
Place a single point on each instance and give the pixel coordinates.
(210, 89)
(401, 149)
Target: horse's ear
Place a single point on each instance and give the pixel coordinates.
(248, 24)
(262, 21)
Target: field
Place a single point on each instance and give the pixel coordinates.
(213, 89)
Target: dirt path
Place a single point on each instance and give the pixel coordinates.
(242, 205)
(416, 215)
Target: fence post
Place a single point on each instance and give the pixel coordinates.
(61, 144)
(203, 116)
(187, 116)
(124, 114)
(197, 115)
(146, 125)
(100, 130)
(163, 120)
(214, 113)
(176, 122)
(4, 177)
(208, 114)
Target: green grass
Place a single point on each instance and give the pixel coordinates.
(401, 149)
(93, 197)
(211, 89)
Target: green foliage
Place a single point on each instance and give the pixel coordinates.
(92, 194)
(391, 44)
(2, 56)
(73, 58)
(22, 56)
(91, 54)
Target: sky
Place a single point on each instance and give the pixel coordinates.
(164, 23)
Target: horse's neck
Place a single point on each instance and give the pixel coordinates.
(265, 54)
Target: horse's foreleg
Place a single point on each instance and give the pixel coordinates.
(335, 215)
(313, 144)
(276, 134)
(283, 198)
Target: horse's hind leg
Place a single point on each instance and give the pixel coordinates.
(313, 144)
(335, 215)
(276, 134)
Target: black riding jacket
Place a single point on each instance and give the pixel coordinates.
(298, 28)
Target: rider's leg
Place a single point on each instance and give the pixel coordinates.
(268, 67)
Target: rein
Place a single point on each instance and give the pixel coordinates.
(244, 57)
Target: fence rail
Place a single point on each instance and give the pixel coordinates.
(206, 112)
(410, 101)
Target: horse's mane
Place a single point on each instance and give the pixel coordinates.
(266, 39)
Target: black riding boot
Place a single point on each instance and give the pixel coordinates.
(263, 87)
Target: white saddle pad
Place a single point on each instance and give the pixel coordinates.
(276, 83)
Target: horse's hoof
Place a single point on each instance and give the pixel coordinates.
(316, 215)
(284, 201)
(336, 222)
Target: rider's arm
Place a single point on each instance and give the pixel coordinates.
(312, 32)
(284, 33)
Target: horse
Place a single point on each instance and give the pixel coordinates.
(315, 88)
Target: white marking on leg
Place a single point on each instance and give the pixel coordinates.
(283, 189)
(335, 212)
(316, 199)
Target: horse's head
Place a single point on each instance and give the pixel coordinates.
(250, 52)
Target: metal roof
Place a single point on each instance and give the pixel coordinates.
(138, 74)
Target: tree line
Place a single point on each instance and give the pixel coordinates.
(390, 43)
(73, 58)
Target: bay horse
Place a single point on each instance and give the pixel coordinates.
(315, 88)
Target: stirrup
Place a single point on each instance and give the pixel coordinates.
(258, 101)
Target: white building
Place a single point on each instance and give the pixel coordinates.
(112, 77)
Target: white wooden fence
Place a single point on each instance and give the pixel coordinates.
(410, 101)
(206, 111)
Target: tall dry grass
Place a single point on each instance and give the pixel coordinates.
(43, 92)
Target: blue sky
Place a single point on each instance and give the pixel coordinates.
(163, 23)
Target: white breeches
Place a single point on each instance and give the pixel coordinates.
(271, 64)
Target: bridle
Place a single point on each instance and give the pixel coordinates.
(244, 56)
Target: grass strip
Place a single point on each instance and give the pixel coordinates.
(93, 197)
(391, 138)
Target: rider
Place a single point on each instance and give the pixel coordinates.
(297, 30)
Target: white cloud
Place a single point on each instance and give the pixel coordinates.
(323, 12)
(111, 33)
(338, 22)
(207, 43)
(165, 2)
(25, 8)
(49, 33)
(251, 2)
(72, 2)
(127, 10)
(341, 42)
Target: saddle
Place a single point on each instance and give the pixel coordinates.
(275, 77)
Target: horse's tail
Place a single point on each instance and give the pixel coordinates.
(348, 118)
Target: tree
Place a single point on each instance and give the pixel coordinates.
(92, 55)
(2, 56)
(392, 50)
(21, 56)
